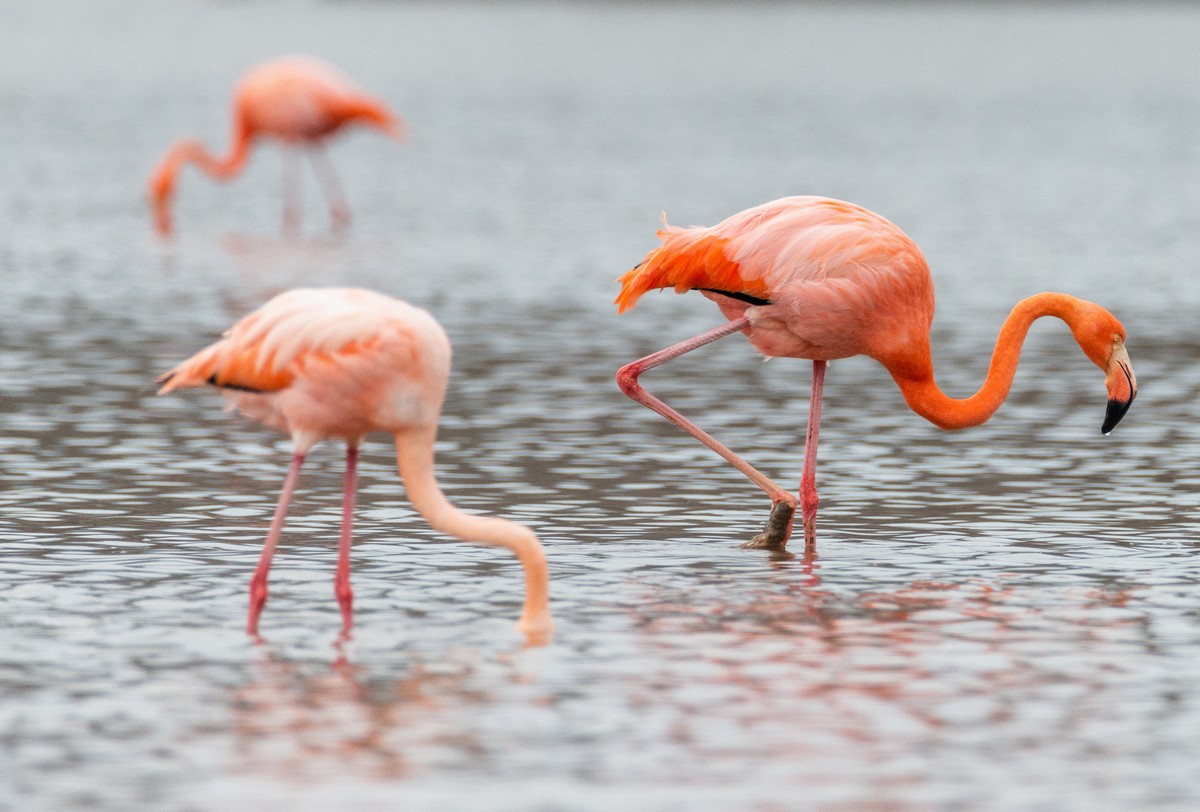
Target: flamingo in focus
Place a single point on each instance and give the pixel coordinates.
(298, 100)
(341, 362)
(821, 279)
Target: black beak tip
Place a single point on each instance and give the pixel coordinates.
(1112, 416)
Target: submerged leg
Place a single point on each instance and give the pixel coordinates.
(808, 480)
(258, 584)
(779, 524)
(341, 582)
(293, 194)
(339, 209)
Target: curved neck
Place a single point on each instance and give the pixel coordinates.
(163, 178)
(220, 168)
(923, 396)
(414, 453)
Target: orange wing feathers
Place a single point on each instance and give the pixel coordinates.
(764, 250)
(229, 365)
(269, 348)
(689, 258)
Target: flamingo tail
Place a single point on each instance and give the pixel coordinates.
(688, 259)
(226, 366)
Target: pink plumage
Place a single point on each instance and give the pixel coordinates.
(297, 100)
(320, 363)
(341, 363)
(829, 269)
(816, 278)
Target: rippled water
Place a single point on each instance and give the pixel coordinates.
(1005, 617)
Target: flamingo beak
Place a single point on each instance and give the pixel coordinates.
(161, 187)
(1122, 387)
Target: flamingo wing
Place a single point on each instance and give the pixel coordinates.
(269, 348)
(757, 254)
(304, 98)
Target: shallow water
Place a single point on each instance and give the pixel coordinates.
(999, 618)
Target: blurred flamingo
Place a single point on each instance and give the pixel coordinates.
(298, 100)
(814, 278)
(321, 363)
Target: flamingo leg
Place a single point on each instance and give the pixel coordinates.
(341, 582)
(808, 480)
(292, 193)
(339, 209)
(258, 584)
(783, 505)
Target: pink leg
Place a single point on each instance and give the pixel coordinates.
(341, 582)
(258, 584)
(779, 526)
(808, 480)
(292, 193)
(339, 209)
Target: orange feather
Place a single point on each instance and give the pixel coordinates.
(689, 258)
(230, 367)
(816, 278)
(298, 100)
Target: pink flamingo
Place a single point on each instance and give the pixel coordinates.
(814, 278)
(343, 363)
(301, 102)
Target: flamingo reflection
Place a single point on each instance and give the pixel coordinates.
(801, 663)
(295, 721)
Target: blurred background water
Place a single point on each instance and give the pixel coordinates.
(1004, 617)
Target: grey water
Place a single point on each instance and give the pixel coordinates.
(1001, 618)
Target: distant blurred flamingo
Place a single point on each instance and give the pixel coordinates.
(810, 277)
(341, 363)
(298, 100)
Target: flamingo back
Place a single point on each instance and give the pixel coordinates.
(759, 251)
(328, 362)
(824, 279)
(300, 98)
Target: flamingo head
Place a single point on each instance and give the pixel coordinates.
(1122, 384)
(1102, 339)
(161, 189)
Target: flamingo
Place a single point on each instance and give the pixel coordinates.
(821, 279)
(298, 100)
(342, 362)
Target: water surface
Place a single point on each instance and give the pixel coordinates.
(1004, 617)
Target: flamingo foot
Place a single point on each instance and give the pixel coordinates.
(258, 599)
(778, 528)
(808, 513)
(346, 601)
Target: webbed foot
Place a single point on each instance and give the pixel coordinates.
(777, 531)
